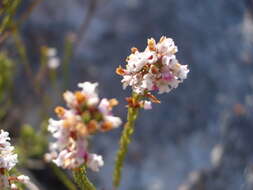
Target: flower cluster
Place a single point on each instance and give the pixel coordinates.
(156, 68)
(8, 159)
(86, 115)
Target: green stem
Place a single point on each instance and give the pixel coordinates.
(63, 178)
(82, 180)
(68, 53)
(124, 142)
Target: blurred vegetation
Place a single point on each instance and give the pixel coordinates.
(39, 80)
(8, 9)
(6, 80)
(31, 144)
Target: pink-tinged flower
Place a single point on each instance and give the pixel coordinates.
(147, 105)
(85, 115)
(154, 69)
(95, 162)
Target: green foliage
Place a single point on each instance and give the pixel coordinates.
(6, 76)
(31, 144)
(8, 10)
(82, 180)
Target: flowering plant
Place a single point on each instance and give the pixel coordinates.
(154, 69)
(8, 160)
(85, 116)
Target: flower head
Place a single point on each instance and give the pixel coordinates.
(8, 160)
(85, 115)
(154, 69)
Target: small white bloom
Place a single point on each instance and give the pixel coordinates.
(53, 63)
(116, 121)
(7, 158)
(51, 52)
(147, 105)
(95, 162)
(104, 106)
(14, 186)
(24, 179)
(54, 125)
(70, 99)
(4, 139)
(90, 90)
(183, 72)
(166, 47)
(88, 87)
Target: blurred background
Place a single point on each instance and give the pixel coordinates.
(199, 138)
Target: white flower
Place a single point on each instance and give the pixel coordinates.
(166, 46)
(70, 99)
(156, 68)
(83, 117)
(147, 82)
(183, 72)
(95, 162)
(54, 125)
(51, 52)
(115, 121)
(53, 63)
(7, 158)
(14, 186)
(137, 60)
(4, 139)
(147, 105)
(24, 179)
(90, 90)
(104, 106)
(7, 161)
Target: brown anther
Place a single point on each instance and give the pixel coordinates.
(12, 178)
(113, 102)
(82, 130)
(69, 123)
(2, 171)
(127, 59)
(162, 39)
(151, 44)
(73, 135)
(154, 69)
(132, 102)
(134, 50)
(120, 71)
(177, 65)
(60, 111)
(80, 97)
(150, 57)
(106, 126)
(239, 109)
(153, 98)
(92, 126)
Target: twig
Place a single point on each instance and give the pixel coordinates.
(85, 24)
